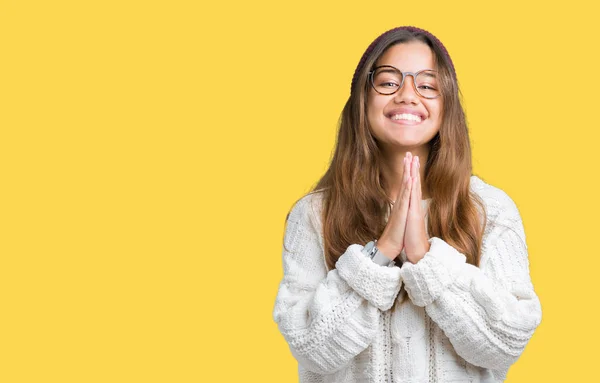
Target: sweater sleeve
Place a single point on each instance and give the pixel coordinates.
(488, 313)
(328, 317)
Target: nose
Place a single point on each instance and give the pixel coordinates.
(407, 91)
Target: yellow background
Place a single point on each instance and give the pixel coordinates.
(150, 150)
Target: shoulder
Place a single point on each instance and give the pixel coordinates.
(308, 209)
(501, 210)
(303, 222)
(493, 197)
(496, 200)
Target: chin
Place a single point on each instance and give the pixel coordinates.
(408, 141)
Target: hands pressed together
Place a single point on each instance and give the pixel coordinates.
(405, 228)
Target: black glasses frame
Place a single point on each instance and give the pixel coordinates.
(403, 75)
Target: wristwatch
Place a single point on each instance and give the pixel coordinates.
(371, 251)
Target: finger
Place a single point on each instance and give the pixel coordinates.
(415, 202)
(405, 178)
(405, 197)
(413, 166)
(411, 173)
(405, 171)
(403, 209)
(401, 216)
(419, 188)
(400, 209)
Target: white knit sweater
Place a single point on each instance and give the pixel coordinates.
(460, 324)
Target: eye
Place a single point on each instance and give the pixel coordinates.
(389, 84)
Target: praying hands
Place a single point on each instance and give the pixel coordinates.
(406, 224)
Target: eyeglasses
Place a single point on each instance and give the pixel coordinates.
(387, 80)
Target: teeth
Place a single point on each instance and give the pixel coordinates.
(406, 116)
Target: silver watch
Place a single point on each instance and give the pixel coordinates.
(371, 251)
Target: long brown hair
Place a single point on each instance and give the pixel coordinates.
(355, 202)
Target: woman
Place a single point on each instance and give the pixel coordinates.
(400, 265)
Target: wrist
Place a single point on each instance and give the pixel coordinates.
(387, 249)
(416, 256)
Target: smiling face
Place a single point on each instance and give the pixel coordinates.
(404, 120)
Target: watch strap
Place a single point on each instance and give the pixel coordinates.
(376, 255)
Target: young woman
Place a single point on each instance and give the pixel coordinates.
(400, 265)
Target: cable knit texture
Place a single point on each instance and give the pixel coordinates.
(457, 322)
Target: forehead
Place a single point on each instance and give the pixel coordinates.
(411, 57)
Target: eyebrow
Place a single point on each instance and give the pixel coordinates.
(431, 74)
(390, 69)
(387, 70)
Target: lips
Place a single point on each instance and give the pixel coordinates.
(405, 110)
(406, 117)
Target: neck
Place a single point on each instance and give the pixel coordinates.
(393, 170)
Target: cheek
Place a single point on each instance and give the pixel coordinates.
(375, 110)
(371, 112)
(436, 111)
